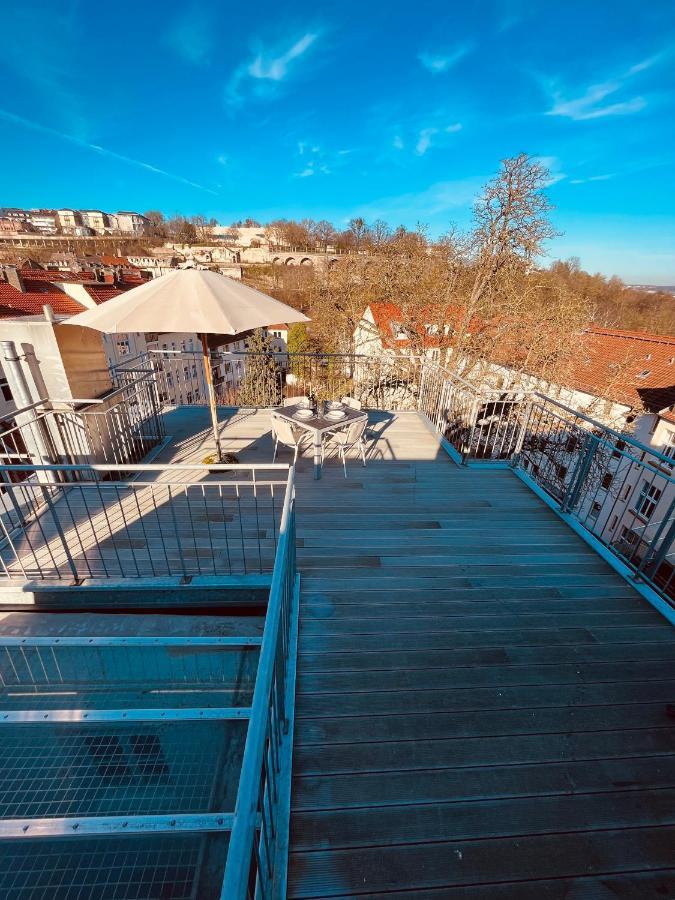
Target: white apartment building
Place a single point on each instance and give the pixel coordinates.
(95, 219)
(44, 220)
(130, 222)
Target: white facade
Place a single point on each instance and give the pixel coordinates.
(130, 222)
(95, 219)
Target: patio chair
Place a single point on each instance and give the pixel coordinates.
(352, 402)
(346, 439)
(284, 433)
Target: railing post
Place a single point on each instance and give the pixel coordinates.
(580, 473)
(520, 440)
(466, 450)
(652, 561)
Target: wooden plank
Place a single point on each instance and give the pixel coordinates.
(394, 680)
(462, 863)
(433, 701)
(416, 823)
(482, 656)
(472, 723)
(484, 750)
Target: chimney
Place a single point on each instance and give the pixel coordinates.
(48, 310)
(14, 278)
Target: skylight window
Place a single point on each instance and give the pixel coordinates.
(644, 373)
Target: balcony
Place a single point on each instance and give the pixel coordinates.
(480, 702)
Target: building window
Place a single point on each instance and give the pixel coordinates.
(615, 519)
(620, 445)
(628, 536)
(669, 450)
(562, 471)
(595, 510)
(6, 390)
(648, 499)
(626, 493)
(607, 480)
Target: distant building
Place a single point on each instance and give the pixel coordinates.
(131, 222)
(44, 221)
(96, 219)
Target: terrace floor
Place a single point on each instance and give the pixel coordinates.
(484, 708)
(482, 703)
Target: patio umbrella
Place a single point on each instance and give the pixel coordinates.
(192, 300)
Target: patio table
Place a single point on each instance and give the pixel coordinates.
(319, 425)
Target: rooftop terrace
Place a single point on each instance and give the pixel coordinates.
(483, 699)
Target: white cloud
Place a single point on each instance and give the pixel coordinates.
(436, 63)
(552, 163)
(433, 202)
(262, 74)
(591, 103)
(591, 178)
(397, 143)
(315, 160)
(275, 68)
(424, 140)
(426, 135)
(223, 160)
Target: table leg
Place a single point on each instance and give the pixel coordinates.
(317, 455)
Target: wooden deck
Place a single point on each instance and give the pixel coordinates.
(482, 704)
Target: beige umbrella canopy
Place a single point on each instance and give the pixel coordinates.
(192, 300)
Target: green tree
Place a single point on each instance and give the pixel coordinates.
(298, 338)
(261, 385)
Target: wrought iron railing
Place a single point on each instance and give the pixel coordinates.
(257, 855)
(134, 521)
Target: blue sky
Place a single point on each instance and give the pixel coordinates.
(388, 110)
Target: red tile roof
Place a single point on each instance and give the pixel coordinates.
(631, 367)
(14, 303)
(44, 275)
(103, 292)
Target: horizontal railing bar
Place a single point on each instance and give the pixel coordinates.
(132, 485)
(115, 641)
(94, 716)
(148, 467)
(24, 409)
(619, 435)
(10, 829)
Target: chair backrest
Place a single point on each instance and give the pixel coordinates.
(283, 430)
(352, 402)
(355, 431)
(295, 401)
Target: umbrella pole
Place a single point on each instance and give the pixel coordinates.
(208, 374)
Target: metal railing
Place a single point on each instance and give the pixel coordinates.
(256, 861)
(480, 423)
(387, 382)
(618, 489)
(121, 427)
(132, 521)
